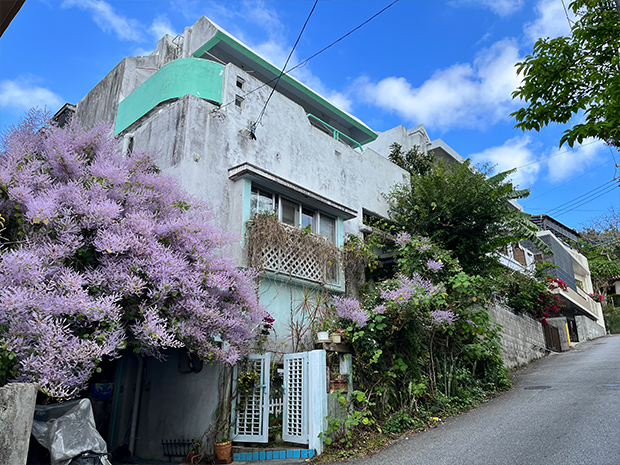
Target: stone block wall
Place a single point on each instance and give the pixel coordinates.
(588, 329)
(17, 401)
(522, 337)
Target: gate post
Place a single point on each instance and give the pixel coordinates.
(317, 398)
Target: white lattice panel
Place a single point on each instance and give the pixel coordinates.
(295, 260)
(276, 406)
(250, 411)
(295, 421)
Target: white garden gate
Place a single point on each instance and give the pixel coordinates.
(250, 411)
(295, 415)
(304, 400)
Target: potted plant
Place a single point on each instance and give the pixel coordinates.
(336, 336)
(223, 448)
(322, 330)
(339, 381)
(196, 452)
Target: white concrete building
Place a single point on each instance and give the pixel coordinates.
(195, 102)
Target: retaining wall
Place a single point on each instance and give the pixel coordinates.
(522, 337)
(588, 329)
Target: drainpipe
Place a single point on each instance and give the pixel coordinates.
(136, 405)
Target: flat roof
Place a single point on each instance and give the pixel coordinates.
(228, 49)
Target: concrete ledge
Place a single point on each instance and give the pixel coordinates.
(17, 402)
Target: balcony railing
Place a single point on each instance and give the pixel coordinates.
(333, 132)
(302, 257)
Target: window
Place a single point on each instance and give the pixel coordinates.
(292, 213)
(240, 82)
(238, 101)
(262, 202)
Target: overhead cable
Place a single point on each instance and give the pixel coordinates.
(260, 116)
(304, 62)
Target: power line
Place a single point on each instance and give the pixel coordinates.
(567, 182)
(579, 198)
(260, 116)
(585, 201)
(555, 155)
(304, 62)
(566, 13)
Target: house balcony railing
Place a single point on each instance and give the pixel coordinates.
(580, 299)
(305, 256)
(333, 132)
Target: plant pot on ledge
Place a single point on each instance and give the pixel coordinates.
(223, 449)
(339, 383)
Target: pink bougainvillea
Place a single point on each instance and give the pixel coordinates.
(99, 249)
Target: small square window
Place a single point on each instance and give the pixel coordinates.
(238, 101)
(240, 83)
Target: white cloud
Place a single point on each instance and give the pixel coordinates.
(513, 153)
(161, 26)
(551, 21)
(463, 95)
(21, 95)
(500, 7)
(570, 162)
(108, 20)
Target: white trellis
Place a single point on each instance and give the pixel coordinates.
(250, 412)
(298, 261)
(276, 406)
(294, 418)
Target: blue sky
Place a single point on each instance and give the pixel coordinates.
(446, 64)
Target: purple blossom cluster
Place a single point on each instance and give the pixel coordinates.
(94, 240)
(434, 265)
(424, 244)
(442, 317)
(402, 238)
(350, 309)
(408, 288)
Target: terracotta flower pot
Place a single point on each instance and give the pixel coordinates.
(336, 384)
(223, 449)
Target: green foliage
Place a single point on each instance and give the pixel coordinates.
(410, 365)
(611, 314)
(462, 210)
(567, 75)
(356, 414)
(532, 294)
(414, 161)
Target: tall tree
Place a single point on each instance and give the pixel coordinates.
(101, 249)
(460, 208)
(581, 73)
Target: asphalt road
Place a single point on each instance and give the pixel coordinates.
(563, 409)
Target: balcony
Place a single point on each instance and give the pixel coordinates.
(292, 252)
(333, 132)
(579, 302)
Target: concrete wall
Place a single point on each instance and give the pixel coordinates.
(522, 337)
(560, 323)
(17, 401)
(174, 405)
(588, 329)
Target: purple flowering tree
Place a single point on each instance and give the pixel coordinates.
(101, 250)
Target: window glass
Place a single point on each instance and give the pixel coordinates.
(290, 212)
(327, 228)
(307, 219)
(262, 202)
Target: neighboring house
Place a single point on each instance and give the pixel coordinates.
(581, 316)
